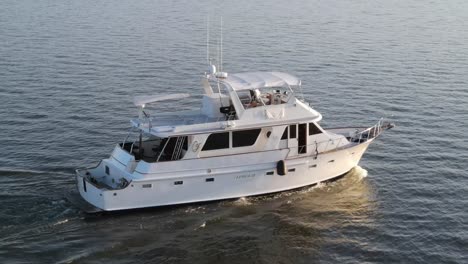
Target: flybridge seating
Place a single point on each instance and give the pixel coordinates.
(255, 89)
(263, 97)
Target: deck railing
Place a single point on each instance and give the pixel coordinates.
(360, 136)
(371, 132)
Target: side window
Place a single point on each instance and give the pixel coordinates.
(285, 134)
(292, 131)
(217, 141)
(313, 129)
(244, 138)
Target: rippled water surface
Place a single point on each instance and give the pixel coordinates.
(68, 72)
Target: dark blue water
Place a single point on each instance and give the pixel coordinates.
(69, 70)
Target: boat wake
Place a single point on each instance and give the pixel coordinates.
(359, 172)
(243, 201)
(6, 171)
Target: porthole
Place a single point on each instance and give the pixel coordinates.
(268, 134)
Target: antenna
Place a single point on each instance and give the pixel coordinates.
(208, 39)
(221, 56)
(218, 59)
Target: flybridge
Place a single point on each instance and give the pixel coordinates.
(241, 100)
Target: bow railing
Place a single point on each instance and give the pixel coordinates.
(371, 132)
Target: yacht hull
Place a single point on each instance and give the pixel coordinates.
(239, 179)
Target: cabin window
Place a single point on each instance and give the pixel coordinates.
(107, 170)
(292, 131)
(217, 141)
(244, 138)
(178, 182)
(147, 185)
(291, 170)
(270, 173)
(313, 129)
(285, 134)
(209, 179)
(185, 145)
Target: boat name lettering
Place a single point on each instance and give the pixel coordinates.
(245, 176)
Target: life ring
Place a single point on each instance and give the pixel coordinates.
(195, 146)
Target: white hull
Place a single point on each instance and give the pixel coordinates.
(233, 176)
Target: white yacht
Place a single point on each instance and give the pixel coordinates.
(252, 135)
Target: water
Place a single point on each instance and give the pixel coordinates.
(69, 69)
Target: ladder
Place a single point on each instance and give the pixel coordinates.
(176, 154)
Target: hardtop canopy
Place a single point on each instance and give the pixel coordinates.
(257, 80)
